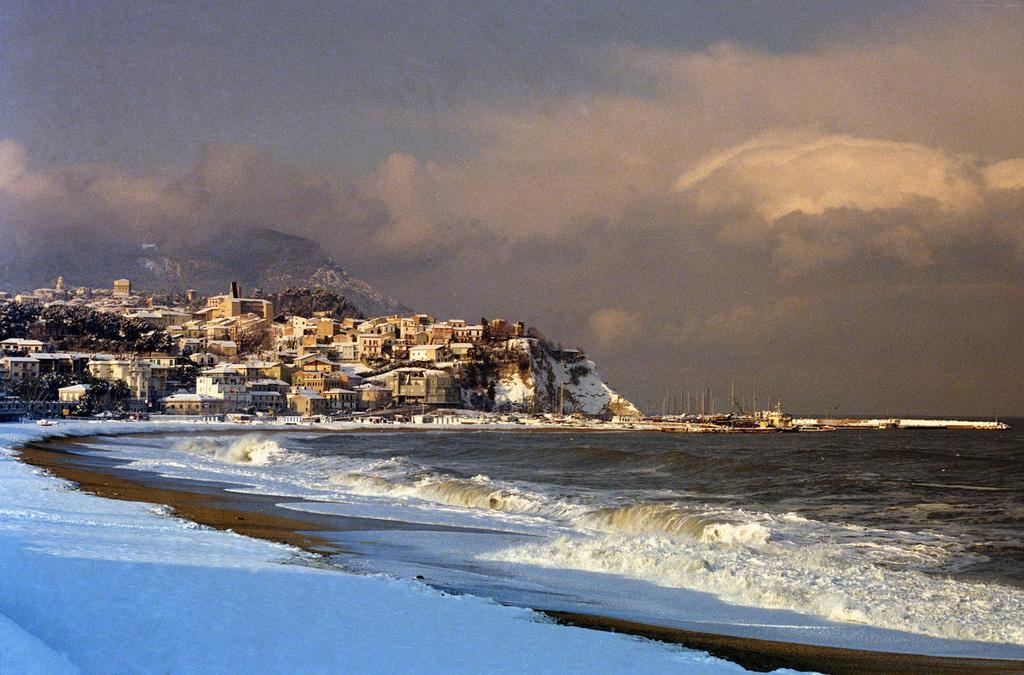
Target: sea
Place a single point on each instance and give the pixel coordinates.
(904, 539)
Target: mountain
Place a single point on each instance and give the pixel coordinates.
(255, 257)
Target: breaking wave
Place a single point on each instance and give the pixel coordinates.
(252, 450)
(478, 492)
(640, 519)
(788, 562)
(819, 579)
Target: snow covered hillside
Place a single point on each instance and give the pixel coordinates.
(547, 381)
(94, 585)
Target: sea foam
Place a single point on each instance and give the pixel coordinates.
(253, 450)
(822, 579)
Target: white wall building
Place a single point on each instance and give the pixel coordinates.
(226, 384)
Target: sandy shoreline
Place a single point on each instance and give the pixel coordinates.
(259, 516)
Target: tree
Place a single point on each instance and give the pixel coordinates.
(16, 318)
(254, 339)
(42, 388)
(185, 375)
(534, 332)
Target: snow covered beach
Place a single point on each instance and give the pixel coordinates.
(152, 563)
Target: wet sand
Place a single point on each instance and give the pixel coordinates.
(765, 655)
(260, 516)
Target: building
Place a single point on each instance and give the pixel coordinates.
(191, 404)
(373, 397)
(268, 394)
(203, 358)
(462, 350)
(222, 347)
(73, 393)
(225, 384)
(22, 345)
(440, 334)
(233, 304)
(136, 373)
(315, 362)
(342, 399)
(20, 368)
(415, 386)
(371, 346)
(257, 370)
(473, 333)
(266, 400)
(428, 352)
(307, 403)
(29, 299)
(122, 287)
(268, 384)
(319, 381)
(347, 351)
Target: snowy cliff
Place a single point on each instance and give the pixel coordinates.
(539, 380)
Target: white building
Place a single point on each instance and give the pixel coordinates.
(347, 351)
(136, 373)
(73, 393)
(225, 384)
(22, 345)
(191, 404)
(427, 352)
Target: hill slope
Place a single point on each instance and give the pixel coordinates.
(256, 257)
(542, 382)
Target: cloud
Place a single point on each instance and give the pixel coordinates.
(614, 327)
(13, 162)
(821, 200)
(926, 79)
(1008, 175)
(874, 112)
(745, 325)
(837, 216)
(229, 186)
(781, 173)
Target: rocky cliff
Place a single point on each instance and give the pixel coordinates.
(545, 381)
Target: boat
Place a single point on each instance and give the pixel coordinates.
(46, 423)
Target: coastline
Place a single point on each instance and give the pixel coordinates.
(256, 516)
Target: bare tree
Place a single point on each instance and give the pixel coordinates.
(254, 339)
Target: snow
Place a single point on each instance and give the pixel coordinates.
(589, 394)
(22, 652)
(95, 585)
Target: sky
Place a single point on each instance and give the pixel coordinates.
(822, 198)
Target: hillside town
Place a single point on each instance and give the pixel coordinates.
(70, 352)
(117, 352)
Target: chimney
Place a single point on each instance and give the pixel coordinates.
(235, 293)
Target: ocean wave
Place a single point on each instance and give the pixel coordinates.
(819, 579)
(638, 519)
(253, 450)
(478, 492)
